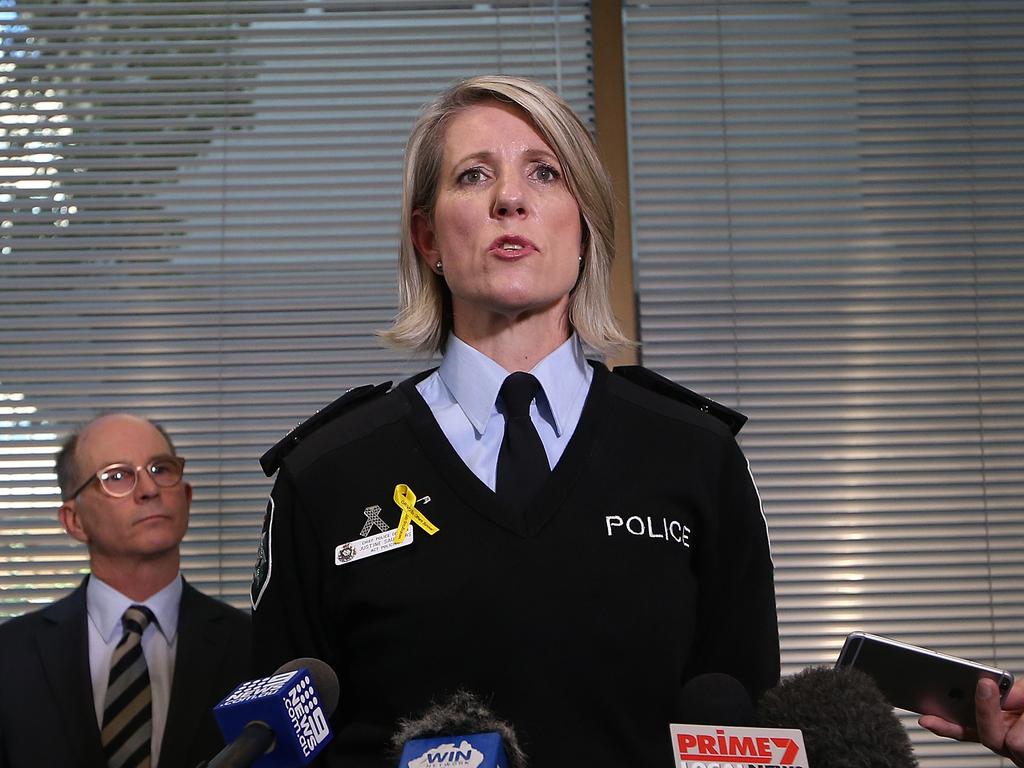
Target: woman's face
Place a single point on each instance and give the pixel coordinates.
(505, 226)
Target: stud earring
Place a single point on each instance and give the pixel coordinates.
(439, 267)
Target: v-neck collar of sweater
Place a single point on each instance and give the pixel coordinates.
(564, 477)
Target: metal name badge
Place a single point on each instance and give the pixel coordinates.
(369, 546)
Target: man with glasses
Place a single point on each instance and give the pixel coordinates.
(125, 670)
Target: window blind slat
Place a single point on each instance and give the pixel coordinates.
(826, 206)
(199, 211)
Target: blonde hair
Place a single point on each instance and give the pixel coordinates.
(424, 318)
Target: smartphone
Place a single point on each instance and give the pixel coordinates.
(919, 679)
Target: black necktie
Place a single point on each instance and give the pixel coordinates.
(127, 709)
(522, 463)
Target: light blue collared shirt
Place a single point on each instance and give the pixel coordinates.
(105, 606)
(463, 392)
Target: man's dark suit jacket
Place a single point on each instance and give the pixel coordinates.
(47, 715)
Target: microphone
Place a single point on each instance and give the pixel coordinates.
(845, 719)
(715, 729)
(461, 731)
(278, 721)
(714, 698)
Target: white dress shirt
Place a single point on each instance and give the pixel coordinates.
(463, 392)
(106, 606)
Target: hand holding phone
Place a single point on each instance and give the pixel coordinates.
(1000, 725)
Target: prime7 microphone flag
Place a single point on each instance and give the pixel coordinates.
(718, 746)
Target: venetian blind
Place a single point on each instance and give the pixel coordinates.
(827, 203)
(199, 206)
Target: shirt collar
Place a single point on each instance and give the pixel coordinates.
(106, 606)
(473, 380)
(565, 376)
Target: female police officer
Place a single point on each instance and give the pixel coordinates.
(569, 543)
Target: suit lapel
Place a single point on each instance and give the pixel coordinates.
(199, 652)
(63, 645)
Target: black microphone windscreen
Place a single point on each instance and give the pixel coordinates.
(714, 698)
(461, 714)
(324, 680)
(845, 720)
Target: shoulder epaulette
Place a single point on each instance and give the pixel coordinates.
(271, 460)
(648, 379)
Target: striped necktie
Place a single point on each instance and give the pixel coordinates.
(127, 708)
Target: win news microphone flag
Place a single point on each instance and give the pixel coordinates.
(278, 721)
(458, 733)
(475, 750)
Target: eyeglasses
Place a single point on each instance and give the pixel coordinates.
(119, 480)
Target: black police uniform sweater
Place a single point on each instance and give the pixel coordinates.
(643, 562)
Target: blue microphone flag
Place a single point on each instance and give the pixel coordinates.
(477, 750)
(289, 704)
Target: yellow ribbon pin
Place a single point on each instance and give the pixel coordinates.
(406, 501)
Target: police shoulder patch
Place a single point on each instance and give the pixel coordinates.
(655, 382)
(271, 460)
(261, 571)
